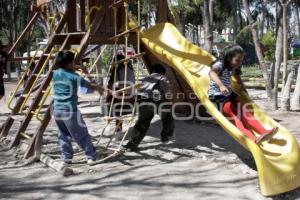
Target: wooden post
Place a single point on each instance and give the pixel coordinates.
(71, 16)
(82, 13)
(35, 145)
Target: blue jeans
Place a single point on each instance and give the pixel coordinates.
(71, 125)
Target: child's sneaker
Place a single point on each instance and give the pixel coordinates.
(91, 161)
(131, 147)
(165, 138)
(67, 161)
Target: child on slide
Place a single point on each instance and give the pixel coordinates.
(221, 92)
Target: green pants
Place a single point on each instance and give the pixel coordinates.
(146, 114)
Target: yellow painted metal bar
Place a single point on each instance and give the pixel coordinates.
(87, 17)
(36, 79)
(26, 136)
(21, 81)
(52, 20)
(38, 111)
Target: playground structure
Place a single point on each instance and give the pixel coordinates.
(107, 22)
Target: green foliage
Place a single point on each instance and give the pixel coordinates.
(14, 17)
(269, 41)
(107, 57)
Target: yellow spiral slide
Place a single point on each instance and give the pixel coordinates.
(278, 160)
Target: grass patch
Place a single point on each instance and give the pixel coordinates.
(251, 71)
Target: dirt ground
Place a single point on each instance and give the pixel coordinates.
(204, 162)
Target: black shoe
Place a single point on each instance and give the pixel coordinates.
(131, 147)
(67, 161)
(164, 139)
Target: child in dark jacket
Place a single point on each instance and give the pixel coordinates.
(153, 99)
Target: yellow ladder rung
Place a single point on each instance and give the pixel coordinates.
(24, 95)
(25, 136)
(47, 54)
(119, 3)
(75, 33)
(129, 58)
(125, 32)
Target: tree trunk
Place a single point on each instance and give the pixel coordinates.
(295, 102)
(286, 94)
(239, 8)
(262, 63)
(208, 35)
(297, 10)
(211, 11)
(263, 20)
(278, 57)
(285, 44)
(235, 19)
(182, 23)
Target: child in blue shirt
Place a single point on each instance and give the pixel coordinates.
(66, 114)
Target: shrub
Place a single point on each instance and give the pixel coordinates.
(269, 42)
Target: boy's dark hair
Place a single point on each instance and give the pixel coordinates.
(158, 68)
(64, 58)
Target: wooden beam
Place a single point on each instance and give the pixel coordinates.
(106, 39)
(58, 166)
(35, 145)
(82, 15)
(21, 37)
(71, 16)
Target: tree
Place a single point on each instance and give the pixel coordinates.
(295, 102)
(183, 10)
(211, 14)
(254, 31)
(286, 79)
(296, 6)
(275, 69)
(206, 9)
